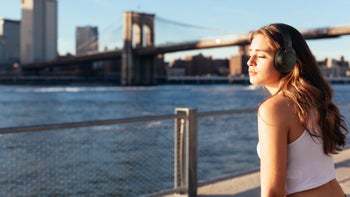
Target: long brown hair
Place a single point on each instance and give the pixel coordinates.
(309, 91)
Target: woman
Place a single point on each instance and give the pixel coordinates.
(299, 126)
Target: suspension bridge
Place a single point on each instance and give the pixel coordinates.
(134, 63)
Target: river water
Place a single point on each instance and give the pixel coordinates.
(101, 162)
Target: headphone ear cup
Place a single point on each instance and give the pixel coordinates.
(285, 59)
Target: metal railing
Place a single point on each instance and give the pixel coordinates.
(185, 145)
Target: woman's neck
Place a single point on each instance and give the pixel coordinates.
(272, 89)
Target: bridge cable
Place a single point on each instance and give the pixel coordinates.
(193, 26)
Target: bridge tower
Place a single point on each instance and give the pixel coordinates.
(138, 32)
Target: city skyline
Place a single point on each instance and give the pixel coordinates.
(223, 15)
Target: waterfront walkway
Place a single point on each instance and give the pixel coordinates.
(248, 185)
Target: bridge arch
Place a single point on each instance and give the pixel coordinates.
(138, 32)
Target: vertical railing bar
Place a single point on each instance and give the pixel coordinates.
(191, 148)
(185, 164)
(179, 161)
(176, 150)
(181, 150)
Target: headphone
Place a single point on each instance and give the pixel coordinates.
(285, 57)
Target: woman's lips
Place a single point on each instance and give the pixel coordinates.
(252, 73)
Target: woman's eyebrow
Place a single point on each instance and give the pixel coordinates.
(261, 50)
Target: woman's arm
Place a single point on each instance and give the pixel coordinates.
(273, 126)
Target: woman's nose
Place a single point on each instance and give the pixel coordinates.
(250, 61)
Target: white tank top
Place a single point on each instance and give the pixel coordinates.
(307, 166)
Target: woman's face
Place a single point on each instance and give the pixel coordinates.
(261, 62)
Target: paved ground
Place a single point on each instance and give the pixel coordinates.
(249, 185)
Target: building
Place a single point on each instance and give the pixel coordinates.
(222, 66)
(86, 40)
(9, 44)
(38, 34)
(238, 65)
(332, 68)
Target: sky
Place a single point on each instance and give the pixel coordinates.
(203, 19)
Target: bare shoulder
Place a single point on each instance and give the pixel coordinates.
(275, 110)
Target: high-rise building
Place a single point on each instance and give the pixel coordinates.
(9, 43)
(38, 31)
(86, 40)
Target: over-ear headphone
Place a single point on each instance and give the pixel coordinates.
(285, 57)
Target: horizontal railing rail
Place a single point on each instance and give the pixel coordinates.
(225, 112)
(47, 127)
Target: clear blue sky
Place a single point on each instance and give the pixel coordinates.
(228, 15)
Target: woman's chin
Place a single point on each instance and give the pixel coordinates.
(253, 81)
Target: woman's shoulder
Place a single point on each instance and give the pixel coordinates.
(276, 109)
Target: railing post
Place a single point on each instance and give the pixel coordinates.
(185, 151)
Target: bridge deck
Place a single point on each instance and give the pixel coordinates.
(248, 185)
